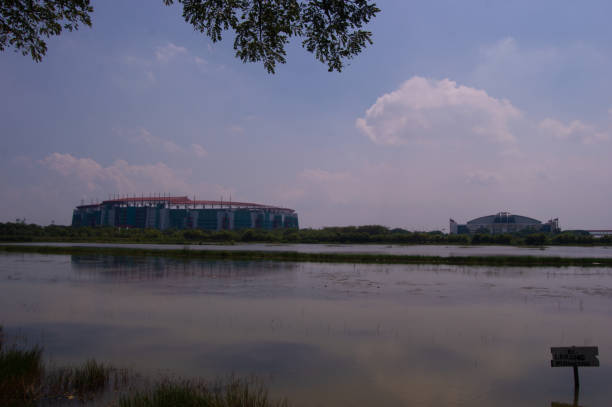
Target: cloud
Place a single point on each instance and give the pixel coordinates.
(84, 169)
(62, 180)
(144, 136)
(150, 77)
(423, 109)
(201, 63)
(167, 52)
(199, 151)
(236, 129)
(120, 176)
(483, 178)
(575, 130)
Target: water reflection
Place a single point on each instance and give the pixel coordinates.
(147, 268)
(322, 334)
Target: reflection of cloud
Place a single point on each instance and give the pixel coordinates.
(274, 358)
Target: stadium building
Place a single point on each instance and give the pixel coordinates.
(503, 222)
(180, 212)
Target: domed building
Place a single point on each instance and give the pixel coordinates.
(503, 222)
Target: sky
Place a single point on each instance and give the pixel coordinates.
(459, 109)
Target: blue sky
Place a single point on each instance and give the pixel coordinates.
(459, 109)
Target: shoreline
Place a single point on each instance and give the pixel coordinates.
(295, 256)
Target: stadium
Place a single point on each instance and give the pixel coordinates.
(503, 222)
(180, 212)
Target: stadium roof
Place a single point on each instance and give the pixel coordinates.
(500, 217)
(182, 200)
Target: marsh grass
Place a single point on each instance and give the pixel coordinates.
(26, 381)
(21, 375)
(231, 393)
(84, 382)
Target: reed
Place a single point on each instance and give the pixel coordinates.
(25, 381)
(232, 393)
(21, 375)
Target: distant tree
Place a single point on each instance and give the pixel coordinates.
(330, 29)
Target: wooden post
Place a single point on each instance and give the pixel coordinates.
(576, 378)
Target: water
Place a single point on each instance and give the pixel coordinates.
(322, 334)
(411, 250)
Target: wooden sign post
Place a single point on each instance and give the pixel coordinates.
(575, 356)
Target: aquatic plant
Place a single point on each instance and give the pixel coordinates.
(26, 381)
(24, 378)
(21, 375)
(231, 393)
(82, 382)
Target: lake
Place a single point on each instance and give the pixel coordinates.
(322, 334)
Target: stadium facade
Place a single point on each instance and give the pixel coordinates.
(503, 222)
(180, 212)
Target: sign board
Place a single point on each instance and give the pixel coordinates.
(570, 356)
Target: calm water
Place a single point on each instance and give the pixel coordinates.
(322, 334)
(420, 250)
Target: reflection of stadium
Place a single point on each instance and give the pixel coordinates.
(180, 212)
(503, 222)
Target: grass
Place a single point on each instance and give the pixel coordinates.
(26, 381)
(21, 376)
(246, 255)
(83, 382)
(24, 378)
(233, 393)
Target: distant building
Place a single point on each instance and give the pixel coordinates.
(180, 212)
(503, 222)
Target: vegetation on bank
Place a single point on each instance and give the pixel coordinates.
(21, 232)
(292, 256)
(190, 393)
(25, 380)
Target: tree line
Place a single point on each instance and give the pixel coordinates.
(22, 232)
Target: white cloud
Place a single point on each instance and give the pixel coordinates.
(150, 77)
(62, 180)
(199, 151)
(236, 129)
(200, 61)
(575, 130)
(482, 178)
(167, 52)
(144, 136)
(84, 169)
(423, 109)
(119, 176)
